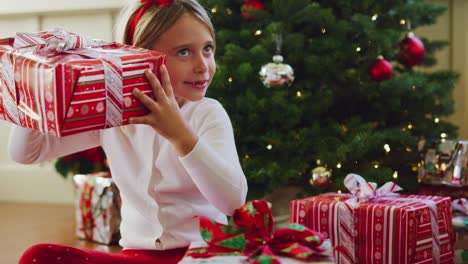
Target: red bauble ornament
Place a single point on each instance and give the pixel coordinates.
(249, 7)
(411, 50)
(381, 70)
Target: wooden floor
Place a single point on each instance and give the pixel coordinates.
(22, 225)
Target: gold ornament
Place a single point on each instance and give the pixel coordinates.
(320, 177)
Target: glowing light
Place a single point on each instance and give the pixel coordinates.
(395, 175)
(436, 120)
(298, 93)
(402, 22)
(338, 165)
(387, 148)
(258, 32)
(269, 147)
(374, 17)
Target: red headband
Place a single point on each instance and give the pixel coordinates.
(134, 21)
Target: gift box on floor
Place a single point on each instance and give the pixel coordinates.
(61, 83)
(97, 208)
(373, 225)
(251, 239)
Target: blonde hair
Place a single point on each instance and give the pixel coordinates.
(156, 20)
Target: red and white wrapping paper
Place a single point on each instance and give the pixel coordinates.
(382, 227)
(97, 208)
(61, 83)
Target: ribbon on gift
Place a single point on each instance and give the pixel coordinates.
(460, 205)
(363, 191)
(54, 42)
(252, 235)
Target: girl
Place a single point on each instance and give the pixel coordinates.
(176, 163)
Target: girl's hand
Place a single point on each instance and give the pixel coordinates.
(165, 116)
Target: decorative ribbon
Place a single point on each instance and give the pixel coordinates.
(460, 205)
(252, 235)
(363, 191)
(136, 18)
(57, 41)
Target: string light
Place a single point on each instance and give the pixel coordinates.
(376, 165)
(395, 175)
(374, 17)
(413, 87)
(229, 11)
(318, 162)
(443, 166)
(258, 32)
(269, 147)
(339, 191)
(408, 149)
(410, 126)
(247, 156)
(338, 165)
(230, 79)
(323, 30)
(402, 22)
(443, 135)
(298, 93)
(213, 10)
(387, 148)
(358, 49)
(436, 120)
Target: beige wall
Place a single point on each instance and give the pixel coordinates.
(96, 18)
(92, 18)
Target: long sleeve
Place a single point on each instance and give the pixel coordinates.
(213, 164)
(28, 146)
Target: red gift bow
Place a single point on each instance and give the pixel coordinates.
(365, 191)
(252, 235)
(460, 205)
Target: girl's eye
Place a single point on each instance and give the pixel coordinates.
(183, 52)
(208, 48)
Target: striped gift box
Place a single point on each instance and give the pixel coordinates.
(67, 93)
(383, 230)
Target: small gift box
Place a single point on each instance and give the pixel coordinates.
(373, 225)
(61, 83)
(97, 208)
(250, 239)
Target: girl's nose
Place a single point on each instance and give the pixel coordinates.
(201, 64)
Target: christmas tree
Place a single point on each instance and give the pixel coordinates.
(347, 110)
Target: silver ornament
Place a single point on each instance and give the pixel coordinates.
(276, 73)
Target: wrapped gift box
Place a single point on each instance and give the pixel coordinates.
(386, 229)
(97, 205)
(250, 238)
(60, 83)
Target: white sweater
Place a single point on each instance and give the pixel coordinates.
(162, 193)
